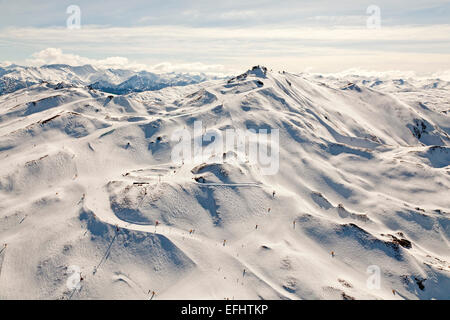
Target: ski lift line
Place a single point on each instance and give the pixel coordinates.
(229, 250)
(176, 235)
(107, 252)
(1, 261)
(23, 219)
(73, 291)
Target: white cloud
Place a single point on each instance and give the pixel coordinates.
(223, 50)
(5, 63)
(443, 75)
(190, 67)
(373, 73)
(238, 15)
(57, 56)
(386, 74)
(341, 20)
(151, 34)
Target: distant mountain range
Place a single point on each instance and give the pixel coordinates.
(116, 81)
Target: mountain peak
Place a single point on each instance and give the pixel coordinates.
(256, 71)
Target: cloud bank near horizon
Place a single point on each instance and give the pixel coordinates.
(321, 36)
(57, 56)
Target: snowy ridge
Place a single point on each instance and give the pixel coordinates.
(115, 81)
(87, 180)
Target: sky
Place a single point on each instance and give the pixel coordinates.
(322, 36)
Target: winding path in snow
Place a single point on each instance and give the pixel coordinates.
(178, 237)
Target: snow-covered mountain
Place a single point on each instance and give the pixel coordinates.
(117, 81)
(147, 81)
(88, 185)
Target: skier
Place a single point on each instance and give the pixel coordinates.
(224, 242)
(332, 254)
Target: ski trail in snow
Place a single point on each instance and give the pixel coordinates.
(2, 257)
(107, 252)
(248, 184)
(23, 219)
(178, 236)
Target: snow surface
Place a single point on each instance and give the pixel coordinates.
(364, 180)
(117, 81)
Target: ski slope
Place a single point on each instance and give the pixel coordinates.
(87, 180)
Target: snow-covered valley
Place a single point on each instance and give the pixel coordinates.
(87, 181)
